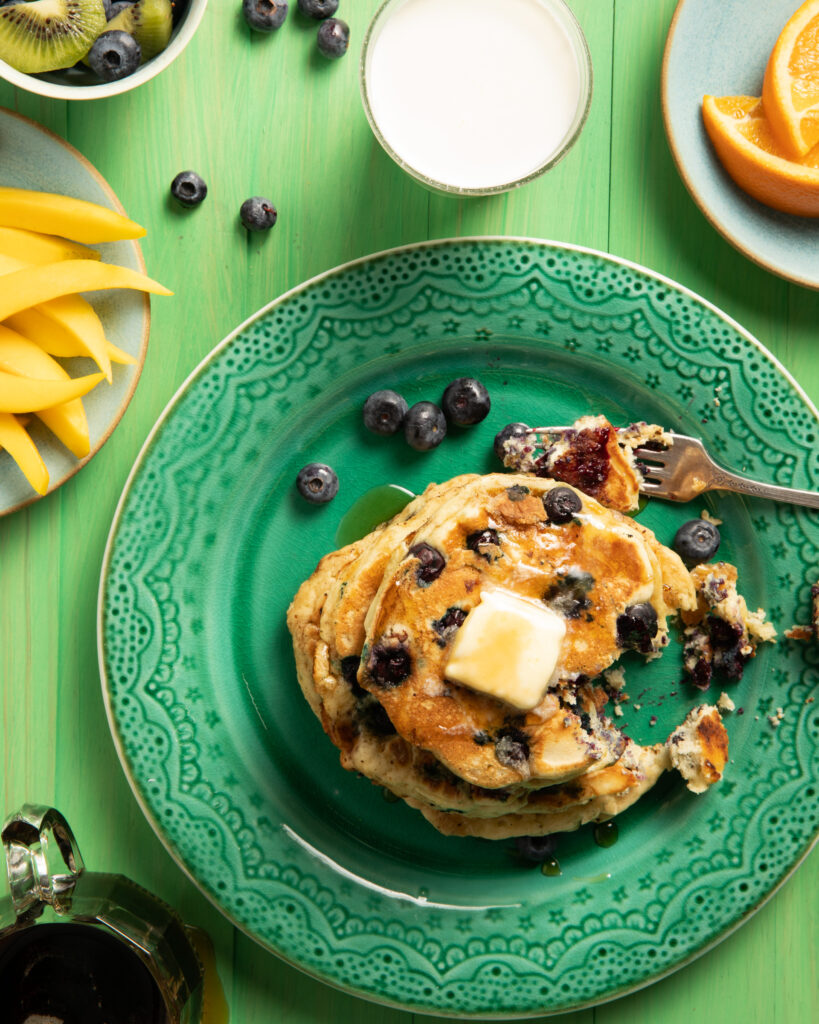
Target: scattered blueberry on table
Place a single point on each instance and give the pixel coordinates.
(114, 55)
(384, 412)
(188, 188)
(265, 15)
(696, 541)
(333, 38)
(258, 214)
(317, 482)
(466, 402)
(318, 9)
(424, 426)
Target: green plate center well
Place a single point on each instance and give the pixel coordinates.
(211, 542)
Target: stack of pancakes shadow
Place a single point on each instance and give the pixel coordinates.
(374, 625)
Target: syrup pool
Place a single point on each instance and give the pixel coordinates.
(374, 507)
(475, 94)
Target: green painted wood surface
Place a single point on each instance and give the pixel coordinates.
(265, 115)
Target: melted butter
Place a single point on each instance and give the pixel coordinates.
(508, 648)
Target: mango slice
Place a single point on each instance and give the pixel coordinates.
(63, 215)
(15, 439)
(68, 421)
(66, 327)
(23, 394)
(33, 247)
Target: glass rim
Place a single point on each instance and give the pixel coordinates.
(577, 39)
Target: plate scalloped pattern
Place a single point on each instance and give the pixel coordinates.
(543, 956)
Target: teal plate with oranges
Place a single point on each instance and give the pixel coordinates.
(211, 541)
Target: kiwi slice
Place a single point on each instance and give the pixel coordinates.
(49, 34)
(149, 22)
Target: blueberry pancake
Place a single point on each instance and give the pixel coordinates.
(533, 541)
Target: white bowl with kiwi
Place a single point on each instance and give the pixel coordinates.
(89, 49)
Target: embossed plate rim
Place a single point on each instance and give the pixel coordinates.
(107, 693)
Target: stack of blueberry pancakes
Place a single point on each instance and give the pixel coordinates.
(456, 655)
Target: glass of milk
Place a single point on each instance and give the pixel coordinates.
(475, 97)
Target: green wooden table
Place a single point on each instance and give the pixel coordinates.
(268, 115)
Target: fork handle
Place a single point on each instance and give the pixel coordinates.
(724, 481)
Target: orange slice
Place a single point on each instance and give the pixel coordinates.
(749, 152)
(790, 91)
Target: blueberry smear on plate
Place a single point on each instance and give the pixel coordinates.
(317, 483)
(318, 9)
(384, 412)
(561, 505)
(333, 38)
(466, 402)
(188, 189)
(264, 15)
(696, 541)
(114, 55)
(424, 426)
(511, 431)
(258, 214)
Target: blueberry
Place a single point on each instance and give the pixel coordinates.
(264, 15)
(535, 849)
(333, 38)
(481, 539)
(114, 55)
(510, 431)
(384, 412)
(318, 9)
(317, 483)
(696, 541)
(517, 492)
(561, 504)
(258, 214)
(511, 748)
(188, 189)
(636, 627)
(113, 9)
(431, 563)
(424, 426)
(389, 664)
(465, 402)
(448, 625)
(349, 668)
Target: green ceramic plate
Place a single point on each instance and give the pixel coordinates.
(32, 157)
(211, 540)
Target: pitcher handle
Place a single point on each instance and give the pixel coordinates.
(43, 861)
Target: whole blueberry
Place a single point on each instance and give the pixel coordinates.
(431, 563)
(113, 9)
(318, 9)
(424, 426)
(389, 664)
(696, 541)
(258, 214)
(465, 402)
(637, 626)
(507, 433)
(114, 55)
(333, 38)
(317, 483)
(535, 848)
(561, 504)
(384, 412)
(188, 189)
(264, 15)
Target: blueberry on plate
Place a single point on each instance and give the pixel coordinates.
(264, 15)
(333, 38)
(466, 402)
(317, 483)
(114, 55)
(508, 433)
(424, 426)
(637, 626)
(384, 412)
(535, 849)
(696, 541)
(561, 504)
(318, 9)
(258, 214)
(188, 189)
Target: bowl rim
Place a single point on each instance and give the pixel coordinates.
(577, 38)
(56, 90)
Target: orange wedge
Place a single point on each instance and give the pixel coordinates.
(790, 90)
(747, 148)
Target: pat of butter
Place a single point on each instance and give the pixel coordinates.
(508, 648)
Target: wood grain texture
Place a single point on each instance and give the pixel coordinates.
(267, 115)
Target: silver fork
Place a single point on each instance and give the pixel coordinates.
(686, 470)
